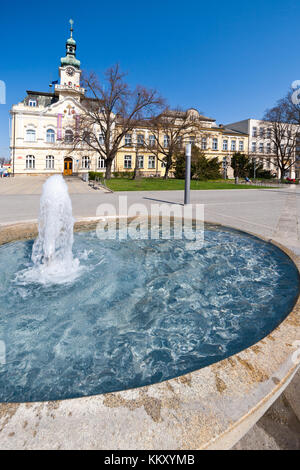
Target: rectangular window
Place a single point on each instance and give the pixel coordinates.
(140, 140)
(127, 162)
(151, 162)
(261, 148)
(32, 103)
(268, 148)
(166, 141)
(192, 140)
(253, 148)
(254, 131)
(203, 143)
(86, 163)
(30, 162)
(233, 145)
(101, 162)
(261, 132)
(152, 140)
(269, 133)
(225, 144)
(101, 139)
(49, 162)
(241, 145)
(128, 140)
(215, 144)
(140, 161)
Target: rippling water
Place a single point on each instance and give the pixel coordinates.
(142, 311)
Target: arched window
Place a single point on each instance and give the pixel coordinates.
(30, 162)
(101, 162)
(86, 163)
(49, 162)
(68, 136)
(50, 136)
(30, 135)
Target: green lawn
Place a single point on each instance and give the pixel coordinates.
(157, 184)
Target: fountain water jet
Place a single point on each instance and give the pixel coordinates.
(52, 255)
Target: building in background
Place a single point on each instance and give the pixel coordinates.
(43, 126)
(261, 146)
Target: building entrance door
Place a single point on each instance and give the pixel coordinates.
(68, 166)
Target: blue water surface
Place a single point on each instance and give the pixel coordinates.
(141, 311)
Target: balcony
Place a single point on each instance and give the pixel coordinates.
(69, 88)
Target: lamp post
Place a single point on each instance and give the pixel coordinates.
(187, 188)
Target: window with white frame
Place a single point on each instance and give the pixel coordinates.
(203, 143)
(261, 132)
(269, 133)
(50, 136)
(215, 143)
(86, 163)
(152, 140)
(30, 162)
(253, 147)
(32, 103)
(268, 147)
(261, 148)
(101, 162)
(30, 135)
(68, 136)
(128, 140)
(254, 131)
(140, 162)
(241, 145)
(49, 162)
(140, 140)
(166, 141)
(151, 162)
(233, 145)
(225, 144)
(101, 139)
(127, 161)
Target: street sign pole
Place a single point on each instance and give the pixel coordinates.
(187, 189)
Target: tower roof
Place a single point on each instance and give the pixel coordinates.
(70, 58)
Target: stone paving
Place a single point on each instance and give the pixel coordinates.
(271, 213)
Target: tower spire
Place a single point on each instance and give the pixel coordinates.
(70, 58)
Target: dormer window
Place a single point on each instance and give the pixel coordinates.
(32, 103)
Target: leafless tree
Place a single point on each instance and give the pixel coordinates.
(111, 111)
(283, 134)
(168, 132)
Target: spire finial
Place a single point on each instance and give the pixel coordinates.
(71, 29)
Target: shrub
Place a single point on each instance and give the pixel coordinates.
(202, 168)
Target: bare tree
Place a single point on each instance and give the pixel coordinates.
(282, 130)
(168, 133)
(111, 111)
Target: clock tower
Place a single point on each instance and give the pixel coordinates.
(69, 71)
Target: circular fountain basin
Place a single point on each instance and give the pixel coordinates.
(139, 312)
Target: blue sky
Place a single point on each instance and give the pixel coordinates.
(231, 60)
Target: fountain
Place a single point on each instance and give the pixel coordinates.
(52, 255)
(132, 312)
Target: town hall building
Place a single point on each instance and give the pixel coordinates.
(42, 132)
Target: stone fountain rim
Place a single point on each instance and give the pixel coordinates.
(209, 408)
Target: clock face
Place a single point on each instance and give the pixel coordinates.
(70, 71)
